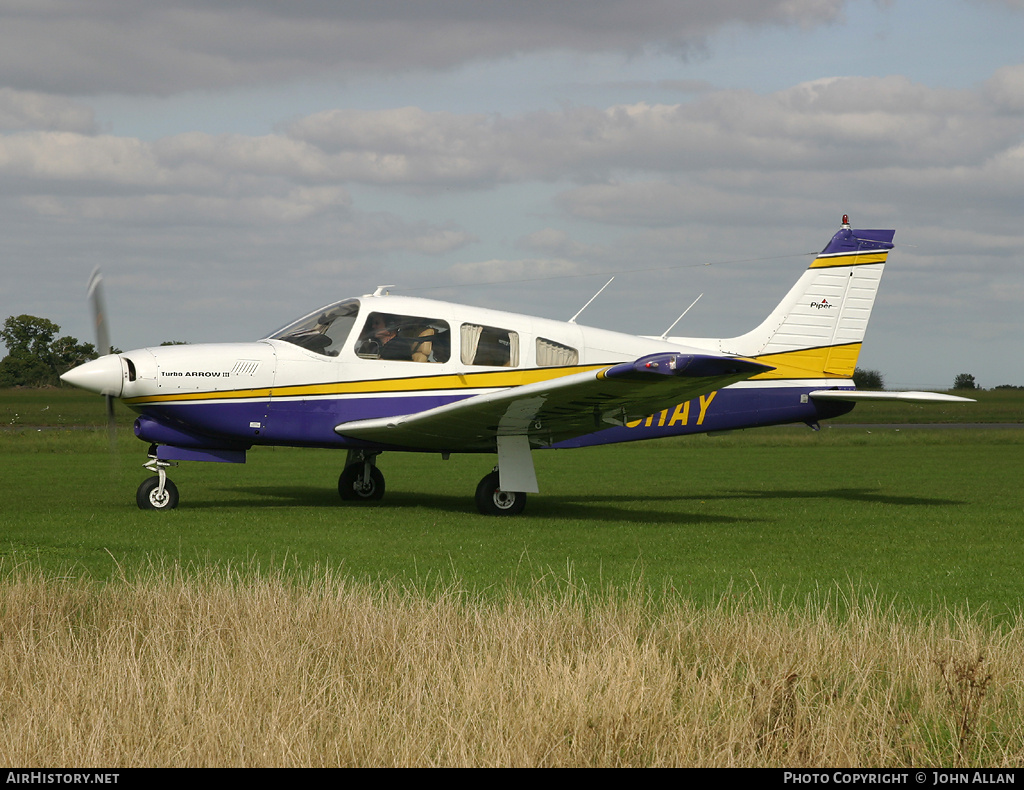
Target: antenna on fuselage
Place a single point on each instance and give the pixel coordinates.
(665, 333)
(382, 290)
(592, 298)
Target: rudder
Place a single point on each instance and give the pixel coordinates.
(817, 329)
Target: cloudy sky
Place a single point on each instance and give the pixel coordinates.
(232, 165)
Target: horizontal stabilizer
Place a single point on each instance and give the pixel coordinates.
(906, 397)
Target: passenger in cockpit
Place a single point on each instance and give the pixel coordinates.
(406, 338)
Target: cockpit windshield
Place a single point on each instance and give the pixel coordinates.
(324, 331)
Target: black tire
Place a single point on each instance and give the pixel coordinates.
(147, 499)
(352, 488)
(492, 501)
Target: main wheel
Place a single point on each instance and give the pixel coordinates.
(491, 500)
(149, 498)
(351, 485)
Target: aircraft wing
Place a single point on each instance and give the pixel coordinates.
(553, 411)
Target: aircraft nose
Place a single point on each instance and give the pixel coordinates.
(104, 376)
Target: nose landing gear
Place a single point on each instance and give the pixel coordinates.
(157, 492)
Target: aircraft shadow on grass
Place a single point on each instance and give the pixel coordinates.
(594, 508)
(658, 508)
(868, 495)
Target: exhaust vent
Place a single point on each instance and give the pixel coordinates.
(245, 367)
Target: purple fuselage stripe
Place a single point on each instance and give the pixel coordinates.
(310, 422)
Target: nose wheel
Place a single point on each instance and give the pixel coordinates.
(154, 496)
(157, 492)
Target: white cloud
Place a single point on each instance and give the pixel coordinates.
(22, 110)
(643, 162)
(508, 271)
(189, 210)
(166, 46)
(722, 155)
(1006, 88)
(826, 124)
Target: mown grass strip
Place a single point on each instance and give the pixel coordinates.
(927, 518)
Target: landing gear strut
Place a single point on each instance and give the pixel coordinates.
(361, 480)
(491, 500)
(158, 492)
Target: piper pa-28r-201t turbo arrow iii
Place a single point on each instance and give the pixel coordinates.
(393, 373)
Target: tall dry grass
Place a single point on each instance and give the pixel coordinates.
(215, 668)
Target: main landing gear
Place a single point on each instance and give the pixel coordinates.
(361, 480)
(492, 501)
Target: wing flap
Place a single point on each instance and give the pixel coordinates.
(553, 411)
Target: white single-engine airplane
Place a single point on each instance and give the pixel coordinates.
(382, 372)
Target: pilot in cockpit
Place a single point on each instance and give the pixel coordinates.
(381, 329)
(404, 338)
(379, 332)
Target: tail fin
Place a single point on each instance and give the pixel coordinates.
(817, 329)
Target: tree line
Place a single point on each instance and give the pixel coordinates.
(873, 380)
(36, 356)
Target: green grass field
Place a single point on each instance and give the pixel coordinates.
(923, 517)
(775, 598)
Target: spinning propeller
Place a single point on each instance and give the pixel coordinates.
(103, 346)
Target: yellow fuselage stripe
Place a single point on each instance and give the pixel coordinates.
(825, 361)
(810, 363)
(457, 381)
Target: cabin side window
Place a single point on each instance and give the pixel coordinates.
(488, 345)
(554, 355)
(405, 338)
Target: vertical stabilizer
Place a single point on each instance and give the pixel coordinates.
(818, 328)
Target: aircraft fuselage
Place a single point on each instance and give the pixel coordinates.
(277, 392)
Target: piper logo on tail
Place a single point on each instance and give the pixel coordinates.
(822, 305)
